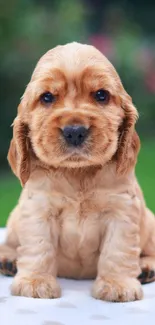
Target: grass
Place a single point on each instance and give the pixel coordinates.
(9, 194)
(10, 187)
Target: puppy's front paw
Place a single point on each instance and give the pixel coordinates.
(36, 286)
(118, 290)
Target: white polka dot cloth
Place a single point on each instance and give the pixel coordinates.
(75, 307)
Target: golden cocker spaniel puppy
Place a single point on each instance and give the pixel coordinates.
(81, 213)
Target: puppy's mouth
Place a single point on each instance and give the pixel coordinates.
(76, 154)
(76, 159)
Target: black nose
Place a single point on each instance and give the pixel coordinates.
(75, 134)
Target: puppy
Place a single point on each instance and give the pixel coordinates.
(81, 213)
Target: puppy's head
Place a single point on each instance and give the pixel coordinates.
(74, 113)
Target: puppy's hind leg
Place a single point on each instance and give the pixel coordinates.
(8, 250)
(7, 260)
(147, 264)
(147, 260)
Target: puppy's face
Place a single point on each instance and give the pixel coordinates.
(74, 108)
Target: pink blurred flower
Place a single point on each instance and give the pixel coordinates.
(144, 58)
(103, 43)
(150, 80)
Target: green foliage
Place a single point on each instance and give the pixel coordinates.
(134, 58)
(9, 194)
(145, 172)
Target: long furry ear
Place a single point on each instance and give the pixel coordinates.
(18, 155)
(129, 142)
(12, 157)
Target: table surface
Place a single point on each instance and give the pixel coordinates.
(75, 307)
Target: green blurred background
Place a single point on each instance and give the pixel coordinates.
(123, 30)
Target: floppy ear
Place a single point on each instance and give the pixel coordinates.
(18, 155)
(129, 142)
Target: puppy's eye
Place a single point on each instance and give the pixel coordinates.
(47, 98)
(101, 95)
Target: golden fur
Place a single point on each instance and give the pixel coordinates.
(81, 213)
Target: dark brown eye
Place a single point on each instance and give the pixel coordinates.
(101, 95)
(47, 98)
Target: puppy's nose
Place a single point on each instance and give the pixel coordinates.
(75, 134)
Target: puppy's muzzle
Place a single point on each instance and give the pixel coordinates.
(75, 135)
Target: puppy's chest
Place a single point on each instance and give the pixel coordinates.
(79, 224)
